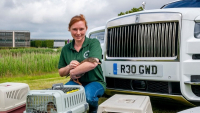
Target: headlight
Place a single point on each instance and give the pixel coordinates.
(197, 30)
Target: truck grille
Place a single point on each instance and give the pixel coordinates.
(158, 86)
(196, 90)
(148, 86)
(143, 40)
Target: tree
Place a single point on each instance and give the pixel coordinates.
(121, 14)
(131, 11)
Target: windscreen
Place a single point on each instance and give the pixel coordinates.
(183, 4)
(98, 35)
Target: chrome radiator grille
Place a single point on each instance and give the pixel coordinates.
(143, 40)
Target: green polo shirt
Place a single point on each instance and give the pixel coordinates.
(90, 48)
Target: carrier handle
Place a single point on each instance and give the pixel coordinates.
(58, 84)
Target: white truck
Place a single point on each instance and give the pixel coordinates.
(155, 52)
(98, 33)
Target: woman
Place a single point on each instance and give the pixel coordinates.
(73, 53)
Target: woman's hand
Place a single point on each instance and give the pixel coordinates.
(73, 64)
(72, 76)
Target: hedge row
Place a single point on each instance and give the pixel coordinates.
(45, 43)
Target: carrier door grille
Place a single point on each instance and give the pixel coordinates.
(143, 40)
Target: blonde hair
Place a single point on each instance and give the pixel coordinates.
(77, 18)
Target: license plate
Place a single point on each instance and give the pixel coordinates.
(137, 69)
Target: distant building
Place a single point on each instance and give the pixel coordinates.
(59, 43)
(14, 38)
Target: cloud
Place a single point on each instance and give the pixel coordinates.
(50, 18)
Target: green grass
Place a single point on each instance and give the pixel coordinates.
(37, 82)
(29, 61)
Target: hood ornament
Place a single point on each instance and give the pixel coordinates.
(143, 5)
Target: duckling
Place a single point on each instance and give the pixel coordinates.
(51, 108)
(92, 60)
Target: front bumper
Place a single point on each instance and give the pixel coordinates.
(177, 98)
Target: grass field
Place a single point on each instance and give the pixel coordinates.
(28, 61)
(39, 82)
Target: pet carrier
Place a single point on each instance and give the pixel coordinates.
(126, 104)
(60, 99)
(13, 97)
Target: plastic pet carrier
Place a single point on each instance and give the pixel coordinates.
(60, 99)
(126, 104)
(13, 97)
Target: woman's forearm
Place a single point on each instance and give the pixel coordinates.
(64, 71)
(82, 68)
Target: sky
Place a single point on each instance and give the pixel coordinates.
(50, 18)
